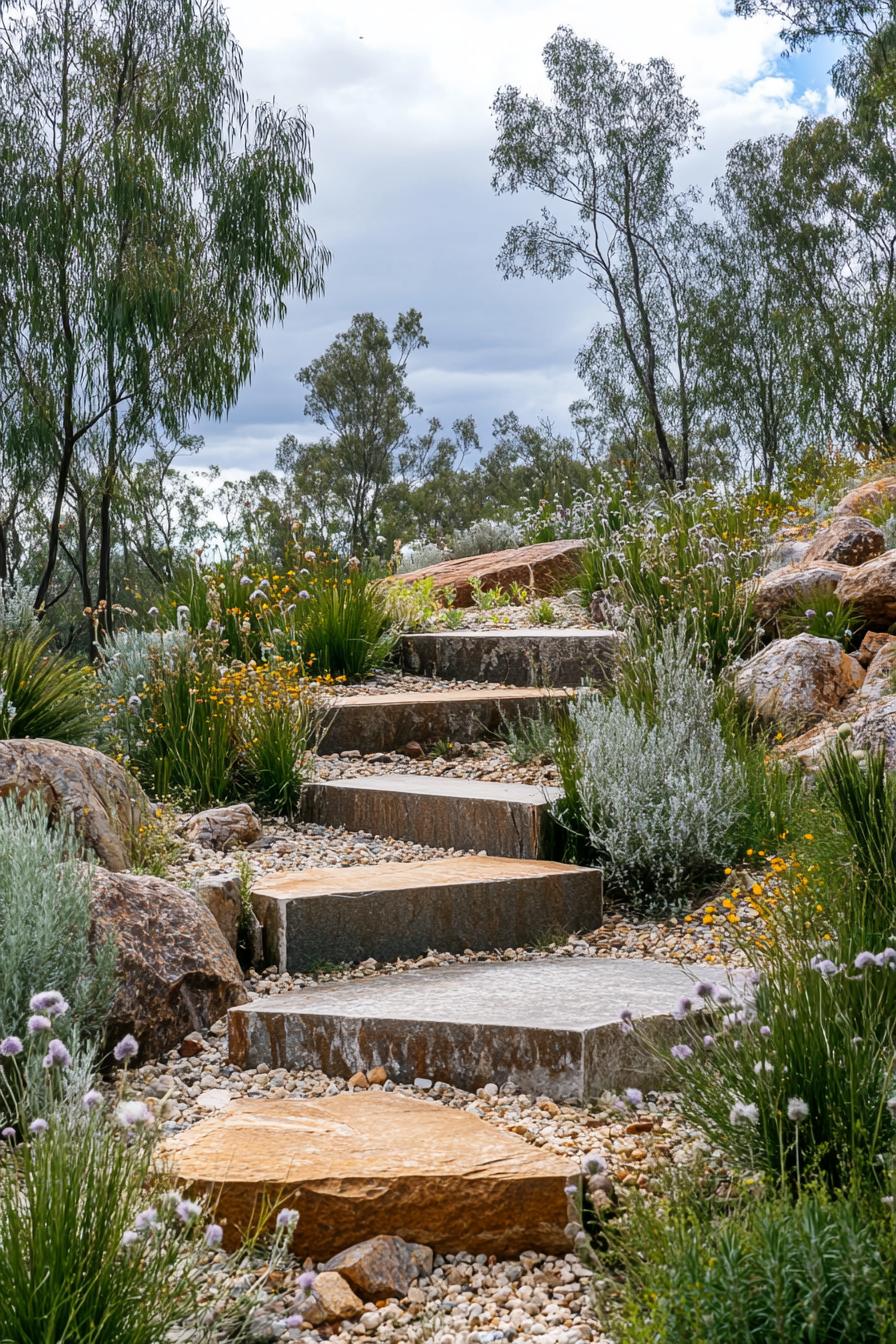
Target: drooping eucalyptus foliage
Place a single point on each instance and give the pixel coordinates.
(151, 221)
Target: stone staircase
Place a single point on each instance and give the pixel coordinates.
(527, 657)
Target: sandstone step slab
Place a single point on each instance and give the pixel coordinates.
(368, 1164)
(513, 657)
(391, 910)
(369, 723)
(541, 568)
(510, 820)
(551, 1025)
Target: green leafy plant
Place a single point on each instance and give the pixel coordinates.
(43, 693)
(452, 618)
(765, 1271)
(417, 605)
(487, 599)
(543, 613)
(343, 622)
(820, 612)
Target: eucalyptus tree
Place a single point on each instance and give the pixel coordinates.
(357, 392)
(604, 151)
(151, 221)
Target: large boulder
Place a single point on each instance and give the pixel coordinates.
(849, 540)
(785, 551)
(538, 568)
(880, 679)
(793, 682)
(223, 828)
(105, 805)
(868, 498)
(876, 729)
(872, 589)
(176, 973)
(775, 592)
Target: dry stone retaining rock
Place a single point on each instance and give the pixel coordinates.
(221, 892)
(224, 828)
(176, 972)
(795, 681)
(539, 568)
(849, 540)
(550, 657)
(775, 592)
(368, 1164)
(105, 804)
(868, 497)
(872, 588)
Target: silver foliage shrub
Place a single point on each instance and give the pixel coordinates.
(420, 554)
(45, 924)
(484, 536)
(658, 793)
(125, 666)
(17, 614)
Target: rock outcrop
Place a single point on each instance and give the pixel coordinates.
(105, 805)
(176, 973)
(793, 682)
(223, 828)
(538, 568)
(880, 679)
(848, 540)
(875, 730)
(871, 588)
(775, 592)
(867, 498)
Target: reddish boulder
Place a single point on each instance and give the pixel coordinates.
(849, 540)
(776, 591)
(868, 498)
(872, 589)
(539, 568)
(176, 973)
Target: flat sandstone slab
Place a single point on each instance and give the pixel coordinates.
(549, 657)
(391, 910)
(363, 1164)
(511, 820)
(551, 1026)
(369, 723)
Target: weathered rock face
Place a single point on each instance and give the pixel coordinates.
(872, 643)
(104, 803)
(368, 1164)
(176, 972)
(539, 568)
(872, 588)
(378, 1267)
(221, 892)
(794, 681)
(785, 551)
(865, 498)
(880, 679)
(849, 540)
(776, 591)
(876, 729)
(224, 828)
(330, 1299)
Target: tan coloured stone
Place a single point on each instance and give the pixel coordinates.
(364, 1164)
(221, 892)
(377, 1076)
(331, 1299)
(105, 804)
(880, 679)
(872, 643)
(867, 498)
(379, 1267)
(224, 828)
(778, 590)
(875, 730)
(849, 540)
(795, 681)
(176, 973)
(538, 568)
(872, 589)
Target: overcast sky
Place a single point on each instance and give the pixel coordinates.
(399, 95)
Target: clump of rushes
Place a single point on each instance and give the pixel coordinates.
(44, 693)
(94, 1244)
(680, 1269)
(205, 729)
(820, 612)
(331, 616)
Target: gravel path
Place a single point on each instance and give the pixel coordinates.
(477, 760)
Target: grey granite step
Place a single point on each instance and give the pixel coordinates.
(551, 1025)
(529, 657)
(392, 910)
(510, 820)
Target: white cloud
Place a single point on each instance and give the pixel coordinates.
(399, 93)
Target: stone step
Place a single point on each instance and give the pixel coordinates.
(550, 1025)
(370, 723)
(513, 657)
(365, 1164)
(391, 910)
(510, 820)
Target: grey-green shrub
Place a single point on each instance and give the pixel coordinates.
(658, 794)
(45, 924)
